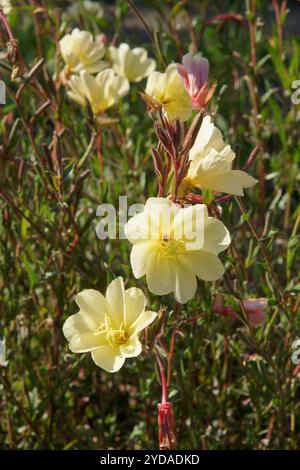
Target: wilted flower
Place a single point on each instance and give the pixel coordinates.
(168, 91)
(211, 164)
(174, 245)
(254, 308)
(109, 327)
(166, 426)
(194, 74)
(81, 52)
(102, 91)
(133, 64)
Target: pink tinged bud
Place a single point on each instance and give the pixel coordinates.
(224, 17)
(102, 39)
(166, 426)
(194, 74)
(254, 308)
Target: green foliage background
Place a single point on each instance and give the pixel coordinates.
(232, 388)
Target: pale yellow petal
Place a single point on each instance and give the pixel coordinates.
(85, 342)
(138, 228)
(160, 275)
(207, 266)
(93, 304)
(189, 226)
(132, 348)
(80, 323)
(216, 236)
(92, 90)
(77, 90)
(162, 213)
(185, 280)
(144, 320)
(231, 182)
(139, 258)
(115, 296)
(135, 303)
(108, 358)
(156, 84)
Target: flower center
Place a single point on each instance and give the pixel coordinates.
(170, 248)
(116, 337)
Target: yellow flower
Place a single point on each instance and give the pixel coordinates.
(102, 91)
(168, 90)
(131, 63)
(81, 52)
(211, 163)
(173, 245)
(109, 327)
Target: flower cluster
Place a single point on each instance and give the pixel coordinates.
(114, 67)
(176, 239)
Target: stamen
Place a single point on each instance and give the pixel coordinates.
(170, 248)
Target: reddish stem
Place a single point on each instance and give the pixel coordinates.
(6, 25)
(170, 357)
(164, 389)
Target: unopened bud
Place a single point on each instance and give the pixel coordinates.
(166, 426)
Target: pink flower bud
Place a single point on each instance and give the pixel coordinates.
(101, 39)
(224, 17)
(166, 426)
(254, 308)
(194, 74)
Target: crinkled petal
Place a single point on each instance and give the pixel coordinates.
(94, 306)
(84, 342)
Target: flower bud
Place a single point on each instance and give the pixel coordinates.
(254, 308)
(166, 426)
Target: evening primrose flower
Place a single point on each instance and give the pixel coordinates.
(133, 64)
(167, 89)
(211, 164)
(109, 327)
(102, 91)
(174, 245)
(81, 52)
